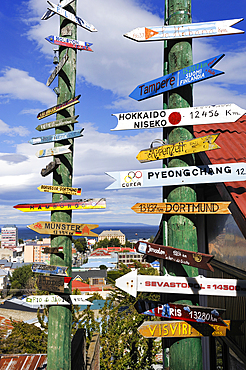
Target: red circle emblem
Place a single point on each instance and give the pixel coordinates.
(174, 118)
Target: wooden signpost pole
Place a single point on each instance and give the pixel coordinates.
(60, 317)
(181, 231)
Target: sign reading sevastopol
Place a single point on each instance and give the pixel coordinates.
(178, 176)
(190, 116)
(189, 75)
(180, 31)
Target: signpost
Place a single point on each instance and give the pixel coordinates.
(96, 203)
(54, 284)
(133, 283)
(184, 31)
(59, 189)
(176, 311)
(52, 250)
(57, 69)
(48, 269)
(73, 18)
(189, 258)
(179, 208)
(191, 116)
(211, 173)
(63, 228)
(49, 300)
(56, 137)
(200, 144)
(69, 43)
(58, 107)
(53, 151)
(51, 167)
(179, 329)
(198, 72)
(57, 123)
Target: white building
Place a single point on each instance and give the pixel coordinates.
(9, 236)
(111, 234)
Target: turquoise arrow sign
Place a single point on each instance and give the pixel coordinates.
(189, 75)
(56, 137)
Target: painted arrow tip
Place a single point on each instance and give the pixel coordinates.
(128, 283)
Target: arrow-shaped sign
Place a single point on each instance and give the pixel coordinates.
(176, 311)
(56, 284)
(56, 137)
(180, 329)
(178, 176)
(57, 123)
(57, 68)
(49, 300)
(48, 14)
(59, 189)
(179, 208)
(189, 75)
(69, 43)
(189, 258)
(48, 269)
(65, 205)
(73, 18)
(52, 166)
(180, 31)
(52, 250)
(63, 228)
(58, 150)
(200, 144)
(189, 116)
(132, 283)
(59, 107)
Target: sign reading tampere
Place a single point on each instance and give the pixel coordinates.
(178, 176)
(188, 258)
(177, 208)
(179, 31)
(69, 43)
(190, 116)
(63, 228)
(197, 145)
(132, 283)
(198, 72)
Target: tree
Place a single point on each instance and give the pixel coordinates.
(151, 239)
(21, 278)
(80, 244)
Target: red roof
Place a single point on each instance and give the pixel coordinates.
(83, 287)
(20, 362)
(232, 142)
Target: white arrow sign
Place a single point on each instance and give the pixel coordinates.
(132, 283)
(178, 176)
(48, 14)
(179, 31)
(48, 300)
(210, 114)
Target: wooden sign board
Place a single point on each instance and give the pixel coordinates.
(72, 17)
(190, 116)
(198, 72)
(57, 123)
(133, 283)
(52, 166)
(180, 31)
(52, 250)
(59, 107)
(56, 137)
(49, 269)
(79, 204)
(59, 189)
(200, 144)
(58, 68)
(178, 329)
(188, 258)
(58, 150)
(69, 43)
(56, 284)
(210, 173)
(176, 311)
(63, 228)
(181, 208)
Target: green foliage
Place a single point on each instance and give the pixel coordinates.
(24, 338)
(21, 278)
(103, 267)
(80, 244)
(114, 242)
(151, 239)
(112, 275)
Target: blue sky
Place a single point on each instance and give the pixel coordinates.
(105, 78)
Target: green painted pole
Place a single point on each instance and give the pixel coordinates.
(184, 354)
(60, 317)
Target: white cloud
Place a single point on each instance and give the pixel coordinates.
(12, 131)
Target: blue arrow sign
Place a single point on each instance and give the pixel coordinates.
(56, 137)
(189, 75)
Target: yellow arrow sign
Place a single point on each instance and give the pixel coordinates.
(183, 208)
(63, 228)
(180, 329)
(200, 144)
(59, 189)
